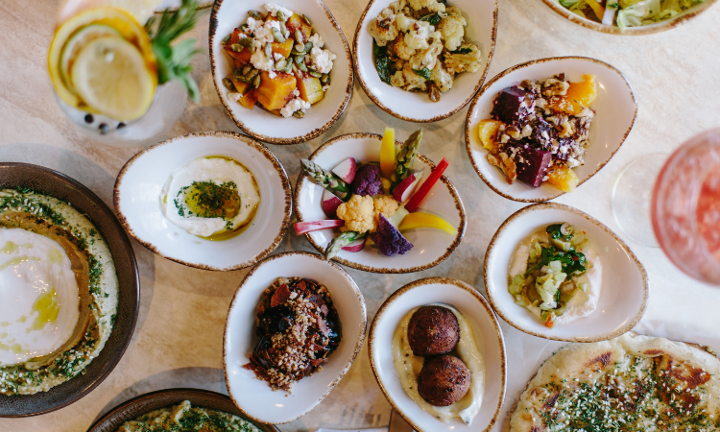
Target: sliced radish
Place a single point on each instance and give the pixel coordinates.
(405, 189)
(306, 227)
(355, 246)
(330, 203)
(346, 169)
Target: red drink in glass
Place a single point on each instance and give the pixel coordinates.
(686, 207)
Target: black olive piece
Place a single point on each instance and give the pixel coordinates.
(89, 118)
(103, 128)
(121, 125)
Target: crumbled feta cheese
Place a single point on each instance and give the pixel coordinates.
(259, 61)
(326, 87)
(278, 56)
(296, 92)
(272, 74)
(253, 24)
(317, 40)
(263, 35)
(296, 104)
(233, 96)
(322, 59)
(273, 10)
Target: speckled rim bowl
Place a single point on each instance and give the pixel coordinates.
(140, 182)
(253, 396)
(258, 123)
(149, 402)
(473, 306)
(630, 31)
(431, 246)
(84, 200)
(174, 5)
(615, 107)
(481, 16)
(624, 295)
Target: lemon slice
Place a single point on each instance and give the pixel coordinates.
(111, 77)
(79, 39)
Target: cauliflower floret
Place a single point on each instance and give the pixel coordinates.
(412, 79)
(456, 63)
(442, 79)
(403, 22)
(358, 214)
(419, 4)
(397, 6)
(367, 180)
(401, 49)
(383, 28)
(386, 205)
(437, 7)
(396, 80)
(428, 57)
(453, 31)
(455, 11)
(418, 33)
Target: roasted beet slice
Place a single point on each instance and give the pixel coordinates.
(532, 165)
(276, 320)
(513, 105)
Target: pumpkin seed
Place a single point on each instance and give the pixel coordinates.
(255, 14)
(308, 46)
(248, 42)
(299, 58)
(253, 73)
(226, 39)
(243, 27)
(298, 36)
(306, 19)
(246, 70)
(283, 29)
(302, 67)
(280, 64)
(315, 74)
(288, 67)
(299, 114)
(256, 82)
(237, 47)
(228, 84)
(237, 74)
(268, 50)
(277, 35)
(324, 78)
(281, 16)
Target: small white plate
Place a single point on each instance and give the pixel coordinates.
(615, 109)
(489, 338)
(431, 246)
(481, 16)
(255, 397)
(137, 203)
(624, 293)
(260, 124)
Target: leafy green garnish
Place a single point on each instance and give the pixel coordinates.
(433, 18)
(424, 72)
(462, 51)
(554, 231)
(382, 62)
(173, 62)
(571, 261)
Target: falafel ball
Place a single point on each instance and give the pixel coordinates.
(433, 330)
(443, 380)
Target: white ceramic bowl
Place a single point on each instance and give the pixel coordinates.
(481, 16)
(255, 397)
(139, 184)
(640, 30)
(260, 124)
(489, 338)
(624, 293)
(174, 5)
(431, 246)
(615, 109)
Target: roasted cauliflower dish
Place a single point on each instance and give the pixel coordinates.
(419, 45)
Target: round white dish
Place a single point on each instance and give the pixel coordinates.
(253, 396)
(624, 293)
(431, 246)
(668, 24)
(489, 338)
(261, 124)
(481, 16)
(615, 109)
(140, 182)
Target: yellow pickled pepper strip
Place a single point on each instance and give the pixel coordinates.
(426, 220)
(387, 154)
(597, 8)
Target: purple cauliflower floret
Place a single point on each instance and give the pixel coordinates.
(367, 181)
(388, 239)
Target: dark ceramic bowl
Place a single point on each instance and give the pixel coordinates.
(85, 201)
(149, 402)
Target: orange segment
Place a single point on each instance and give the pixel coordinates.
(579, 95)
(563, 178)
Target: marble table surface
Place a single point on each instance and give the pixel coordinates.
(178, 338)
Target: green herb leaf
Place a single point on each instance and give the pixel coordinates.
(462, 51)
(433, 18)
(424, 72)
(382, 62)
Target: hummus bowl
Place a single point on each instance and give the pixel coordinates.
(143, 404)
(255, 398)
(488, 337)
(622, 298)
(102, 289)
(140, 186)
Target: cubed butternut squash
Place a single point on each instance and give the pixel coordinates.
(296, 22)
(579, 95)
(282, 48)
(310, 88)
(235, 37)
(562, 178)
(274, 93)
(249, 99)
(242, 57)
(487, 134)
(240, 86)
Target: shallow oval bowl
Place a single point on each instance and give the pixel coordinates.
(431, 246)
(140, 182)
(489, 338)
(661, 26)
(615, 109)
(259, 123)
(624, 294)
(481, 16)
(253, 396)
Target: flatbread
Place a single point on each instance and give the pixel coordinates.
(630, 383)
